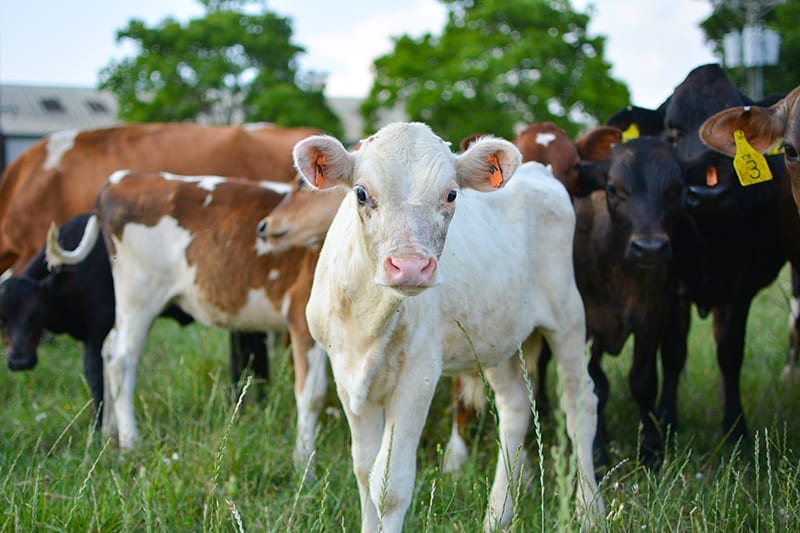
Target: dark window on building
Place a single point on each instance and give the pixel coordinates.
(96, 106)
(52, 104)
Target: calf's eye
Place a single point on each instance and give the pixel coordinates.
(790, 151)
(361, 194)
(451, 196)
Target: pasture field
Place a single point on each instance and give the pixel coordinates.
(206, 463)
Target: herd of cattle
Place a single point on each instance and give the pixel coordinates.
(364, 259)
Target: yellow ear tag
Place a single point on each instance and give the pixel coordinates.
(751, 166)
(631, 133)
(319, 176)
(496, 176)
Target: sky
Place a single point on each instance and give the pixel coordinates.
(651, 45)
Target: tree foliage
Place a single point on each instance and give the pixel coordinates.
(730, 15)
(237, 63)
(496, 65)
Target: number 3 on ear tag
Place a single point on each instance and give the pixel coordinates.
(750, 165)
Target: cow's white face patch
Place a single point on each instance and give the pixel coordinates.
(273, 275)
(58, 144)
(545, 139)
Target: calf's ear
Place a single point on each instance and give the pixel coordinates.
(596, 145)
(762, 127)
(487, 164)
(324, 162)
(591, 177)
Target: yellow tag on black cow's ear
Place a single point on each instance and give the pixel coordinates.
(631, 133)
(750, 165)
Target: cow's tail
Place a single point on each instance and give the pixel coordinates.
(57, 256)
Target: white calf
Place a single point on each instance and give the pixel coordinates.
(397, 300)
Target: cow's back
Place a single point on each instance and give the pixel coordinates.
(508, 254)
(60, 176)
(200, 235)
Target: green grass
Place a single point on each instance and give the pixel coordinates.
(206, 464)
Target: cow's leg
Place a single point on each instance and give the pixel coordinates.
(310, 387)
(392, 474)
(791, 370)
(366, 431)
(643, 382)
(673, 360)
(578, 400)
(730, 323)
(93, 370)
(514, 414)
(121, 362)
(455, 453)
(249, 350)
(542, 404)
(602, 389)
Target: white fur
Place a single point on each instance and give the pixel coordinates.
(506, 272)
(545, 139)
(58, 144)
(118, 175)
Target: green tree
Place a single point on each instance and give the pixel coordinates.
(496, 65)
(237, 63)
(731, 15)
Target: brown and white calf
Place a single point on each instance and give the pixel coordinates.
(423, 272)
(192, 242)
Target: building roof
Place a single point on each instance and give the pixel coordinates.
(35, 111)
(31, 110)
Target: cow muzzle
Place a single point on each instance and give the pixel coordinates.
(409, 273)
(20, 361)
(652, 251)
(700, 199)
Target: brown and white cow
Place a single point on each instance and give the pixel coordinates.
(59, 177)
(191, 242)
(548, 144)
(420, 274)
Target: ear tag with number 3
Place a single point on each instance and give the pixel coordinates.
(750, 165)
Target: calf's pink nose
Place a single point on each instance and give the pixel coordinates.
(409, 271)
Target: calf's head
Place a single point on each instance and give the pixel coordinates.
(643, 194)
(21, 320)
(763, 127)
(404, 185)
(301, 219)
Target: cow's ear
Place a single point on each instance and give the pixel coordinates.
(592, 176)
(487, 164)
(596, 145)
(324, 162)
(762, 127)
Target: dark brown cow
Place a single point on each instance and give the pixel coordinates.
(623, 254)
(191, 242)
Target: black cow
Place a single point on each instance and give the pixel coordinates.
(622, 255)
(735, 241)
(79, 301)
